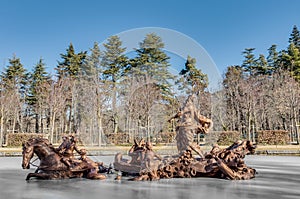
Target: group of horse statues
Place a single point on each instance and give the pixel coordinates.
(142, 162)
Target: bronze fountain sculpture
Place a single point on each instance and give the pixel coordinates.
(145, 164)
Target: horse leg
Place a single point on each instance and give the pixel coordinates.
(37, 170)
(95, 176)
(43, 176)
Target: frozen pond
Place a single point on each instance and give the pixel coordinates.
(278, 177)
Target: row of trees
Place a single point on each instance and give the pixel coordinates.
(263, 92)
(96, 93)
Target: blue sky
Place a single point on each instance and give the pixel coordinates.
(32, 29)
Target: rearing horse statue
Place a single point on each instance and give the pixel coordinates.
(51, 166)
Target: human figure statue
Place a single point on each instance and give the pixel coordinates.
(93, 166)
(136, 152)
(150, 157)
(66, 151)
(191, 122)
(150, 163)
(63, 145)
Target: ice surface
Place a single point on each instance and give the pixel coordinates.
(278, 177)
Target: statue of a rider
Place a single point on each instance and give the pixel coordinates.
(66, 151)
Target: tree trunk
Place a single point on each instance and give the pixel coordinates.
(114, 107)
(148, 128)
(249, 124)
(296, 126)
(69, 128)
(116, 125)
(52, 127)
(99, 119)
(130, 132)
(14, 124)
(36, 123)
(41, 123)
(1, 127)
(100, 131)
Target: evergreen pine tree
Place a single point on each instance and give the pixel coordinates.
(192, 79)
(15, 76)
(69, 68)
(295, 37)
(152, 61)
(92, 63)
(91, 92)
(114, 61)
(249, 63)
(262, 67)
(38, 78)
(290, 61)
(71, 63)
(14, 80)
(91, 68)
(114, 64)
(273, 58)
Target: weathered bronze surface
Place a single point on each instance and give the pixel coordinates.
(225, 163)
(59, 162)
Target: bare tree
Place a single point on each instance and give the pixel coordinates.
(144, 106)
(56, 99)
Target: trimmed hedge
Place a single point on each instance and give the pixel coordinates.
(16, 139)
(228, 137)
(273, 137)
(117, 138)
(124, 138)
(165, 137)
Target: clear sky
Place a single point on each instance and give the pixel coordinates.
(38, 28)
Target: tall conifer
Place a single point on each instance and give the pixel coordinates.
(114, 63)
(295, 37)
(152, 61)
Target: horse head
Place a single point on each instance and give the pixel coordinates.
(33, 145)
(27, 153)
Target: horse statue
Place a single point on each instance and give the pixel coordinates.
(51, 164)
